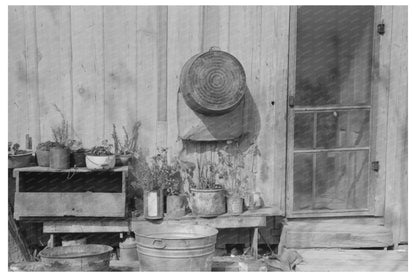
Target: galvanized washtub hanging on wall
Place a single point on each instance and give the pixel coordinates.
(213, 83)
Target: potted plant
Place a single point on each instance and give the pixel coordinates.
(236, 178)
(207, 197)
(125, 150)
(18, 158)
(100, 157)
(77, 158)
(175, 198)
(150, 178)
(43, 152)
(59, 157)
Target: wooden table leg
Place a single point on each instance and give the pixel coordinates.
(51, 241)
(254, 243)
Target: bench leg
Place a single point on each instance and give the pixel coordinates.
(51, 241)
(255, 243)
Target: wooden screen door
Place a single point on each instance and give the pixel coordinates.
(330, 111)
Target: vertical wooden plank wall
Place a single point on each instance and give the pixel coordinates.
(121, 64)
(147, 74)
(120, 76)
(396, 215)
(88, 68)
(184, 41)
(104, 65)
(54, 66)
(19, 124)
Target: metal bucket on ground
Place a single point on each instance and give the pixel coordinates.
(176, 247)
(89, 257)
(128, 251)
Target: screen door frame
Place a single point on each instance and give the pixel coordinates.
(378, 117)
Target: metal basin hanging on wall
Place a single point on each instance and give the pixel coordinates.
(213, 83)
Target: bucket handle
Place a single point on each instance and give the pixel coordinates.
(214, 48)
(159, 244)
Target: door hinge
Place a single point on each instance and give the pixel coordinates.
(381, 28)
(291, 101)
(375, 166)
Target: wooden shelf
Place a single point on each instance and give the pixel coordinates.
(262, 212)
(43, 192)
(70, 170)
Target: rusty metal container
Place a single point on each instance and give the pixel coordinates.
(234, 205)
(176, 247)
(20, 160)
(207, 202)
(89, 257)
(59, 158)
(42, 157)
(213, 83)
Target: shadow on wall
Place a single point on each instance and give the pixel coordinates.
(206, 150)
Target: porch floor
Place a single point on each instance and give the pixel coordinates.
(336, 260)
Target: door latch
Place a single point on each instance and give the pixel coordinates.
(381, 28)
(291, 101)
(375, 166)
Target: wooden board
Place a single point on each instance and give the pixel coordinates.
(120, 69)
(53, 33)
(79, 169)
(325, 235)
(18, 105)
(38, 204)
(336, 260)
(90, 226)
(397, 136)
(184, 41)
(216, 222)
(88, 73)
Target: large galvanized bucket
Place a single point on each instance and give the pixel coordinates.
(176, 247)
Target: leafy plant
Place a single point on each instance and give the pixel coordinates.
(237, 176)
(14, 149)
(207, 175)
(129, 144)
(45, 146)
(157, 174)
(75, 146)
(102, 150)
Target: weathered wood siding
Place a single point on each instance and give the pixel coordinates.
(396, 205)
(104, 65)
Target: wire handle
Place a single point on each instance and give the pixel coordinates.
(214, 48)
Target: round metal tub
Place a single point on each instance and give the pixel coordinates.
(88, 257)
(176, 247)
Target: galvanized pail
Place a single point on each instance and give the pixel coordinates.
(176, 247)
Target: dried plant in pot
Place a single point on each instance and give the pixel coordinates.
(124, 150)
(100, 157)
(207, 196)
(59, 156)
(18, 158)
